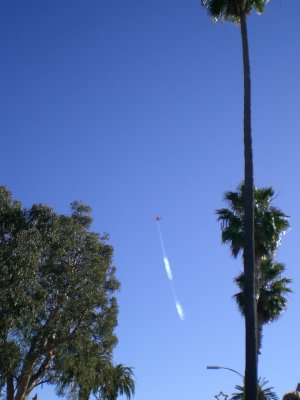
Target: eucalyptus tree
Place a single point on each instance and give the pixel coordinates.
(58, 308)
(236, 11)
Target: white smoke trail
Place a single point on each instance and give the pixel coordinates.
(169, 272)
(180, 310)
(168, 268)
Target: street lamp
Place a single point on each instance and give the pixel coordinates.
(229, 369)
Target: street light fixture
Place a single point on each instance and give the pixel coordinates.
(229, 369)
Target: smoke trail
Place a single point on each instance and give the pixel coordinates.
(178, 305)
(168, 268)
(179, 310)
(169, 271)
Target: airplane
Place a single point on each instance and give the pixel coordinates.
(157, 218)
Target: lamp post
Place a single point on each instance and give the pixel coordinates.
(229, 369)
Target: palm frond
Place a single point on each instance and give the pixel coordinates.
(272, 291)
(270, 223)
(263, 393)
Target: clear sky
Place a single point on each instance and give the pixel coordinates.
(135, 107)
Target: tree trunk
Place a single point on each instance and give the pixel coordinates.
(249, 264)
(27, 371)
(10, 387)
(259, 317)
(259, 335)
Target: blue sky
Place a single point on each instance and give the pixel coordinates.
(136, 108)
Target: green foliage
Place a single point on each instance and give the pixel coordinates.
(272, 291)
(118, 381)
(263, 393)
(270, 223)
(231, 10)
(57, 298)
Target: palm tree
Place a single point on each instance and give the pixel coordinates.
(107, 382)
(271, 294)
(237, 11)
(270, 224)
(263, 393)
(117, 380)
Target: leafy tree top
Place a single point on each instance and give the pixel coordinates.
(58, 308)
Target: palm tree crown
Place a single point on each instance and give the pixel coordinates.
(117, 380)
(270, 223)
(272, 293)
(231, 10)
(263, 393)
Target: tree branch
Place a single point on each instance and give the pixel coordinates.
(40, 372)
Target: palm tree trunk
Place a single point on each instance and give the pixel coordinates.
(259, 318)
(249, 264)
(259, 335)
